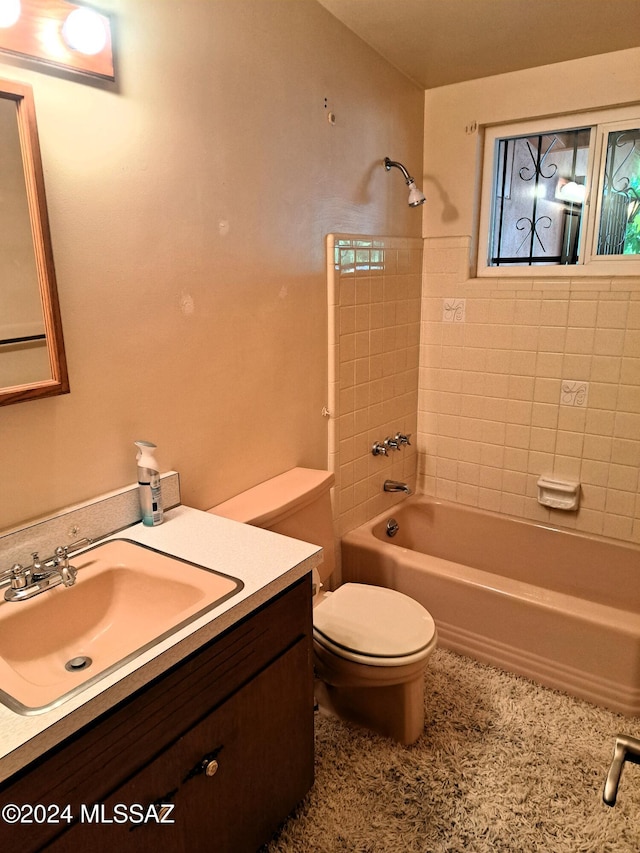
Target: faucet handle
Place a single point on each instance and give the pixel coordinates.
(16, 575)
(391, 444)
(379, 449)
(403, 439)
(67, 573)
(62, 556)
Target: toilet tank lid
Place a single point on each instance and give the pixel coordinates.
(276, 498)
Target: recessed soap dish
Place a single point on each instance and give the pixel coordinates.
(558, 494)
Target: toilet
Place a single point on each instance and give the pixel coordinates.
(371, 644)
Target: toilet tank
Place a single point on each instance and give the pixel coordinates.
(296, 503)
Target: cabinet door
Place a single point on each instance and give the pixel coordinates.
(230, 780)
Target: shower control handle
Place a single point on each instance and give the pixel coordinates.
(402, 439)
(382, 448)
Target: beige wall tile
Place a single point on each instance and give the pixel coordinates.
(630, 370)
(632, 343)
(623, 478)
(572, 418)
(629, 398)
(590, 521)
(554, 312)
(377, 361)
(620, 503)
(488, 415)
(603, 395)
(582, 313)
(612, 315)
(625, 451)
(600, 422)
(595, 473)
(543, 439)
(608, 342)
(569, 443)
(627, 425)
(549, 365)
(618, 527)
(551, 338)
(540, 464)
(593, 497)
(546, 390)
(509, 363)
(633, 317)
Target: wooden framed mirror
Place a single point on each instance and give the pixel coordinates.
(32, 357)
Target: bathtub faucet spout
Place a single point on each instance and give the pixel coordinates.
(396, 486)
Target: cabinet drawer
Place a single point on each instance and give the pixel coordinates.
(96, 761)
(228, 782)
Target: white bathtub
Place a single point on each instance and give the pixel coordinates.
(559, 607)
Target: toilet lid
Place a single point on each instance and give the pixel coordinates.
(372, 620)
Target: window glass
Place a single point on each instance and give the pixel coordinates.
(561, 197)
(619, 228)
(540, 184)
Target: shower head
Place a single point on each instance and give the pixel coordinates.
(416, 198)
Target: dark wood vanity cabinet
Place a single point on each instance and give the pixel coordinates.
(211, 756)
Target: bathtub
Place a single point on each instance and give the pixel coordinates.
(559, 607)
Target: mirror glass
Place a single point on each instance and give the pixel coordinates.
(32, 361)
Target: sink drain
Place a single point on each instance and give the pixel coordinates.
(75, 664)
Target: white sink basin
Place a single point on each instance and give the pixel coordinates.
(126, 598)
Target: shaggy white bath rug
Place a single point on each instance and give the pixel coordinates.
(503, 766)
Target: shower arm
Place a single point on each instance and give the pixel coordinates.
(389, 164)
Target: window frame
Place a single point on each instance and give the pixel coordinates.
(601, 122)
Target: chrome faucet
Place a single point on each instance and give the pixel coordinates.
(396, 486)
(41, 575)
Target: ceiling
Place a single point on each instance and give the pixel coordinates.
(437, 42)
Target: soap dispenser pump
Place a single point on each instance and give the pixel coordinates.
(149, 484)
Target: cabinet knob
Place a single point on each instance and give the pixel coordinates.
(211, 767)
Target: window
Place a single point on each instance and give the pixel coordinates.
(566, 197)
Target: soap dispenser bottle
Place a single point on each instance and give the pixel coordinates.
(149, 484)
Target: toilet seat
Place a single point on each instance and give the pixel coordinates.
(374, 625)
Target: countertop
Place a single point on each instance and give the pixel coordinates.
(265, 562)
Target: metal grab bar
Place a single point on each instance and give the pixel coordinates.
(626, 749)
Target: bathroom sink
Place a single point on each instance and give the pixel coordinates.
(127, 597)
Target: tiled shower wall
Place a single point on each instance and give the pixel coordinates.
(374, 292)
(521, 378)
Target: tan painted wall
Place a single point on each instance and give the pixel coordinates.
(497, 401)
(451, 144)
(189, 209)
